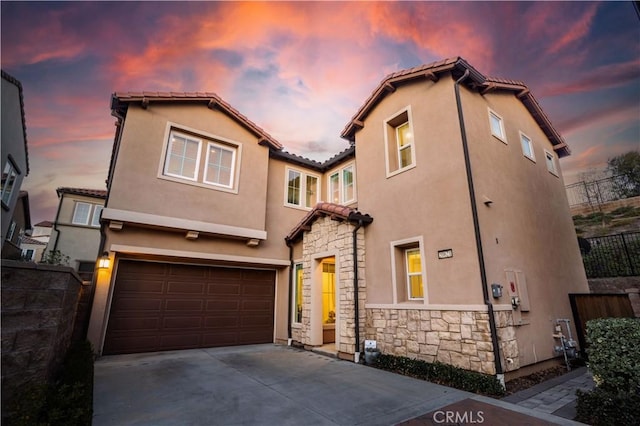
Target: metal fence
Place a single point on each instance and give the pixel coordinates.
(599, 191)
(612, 255)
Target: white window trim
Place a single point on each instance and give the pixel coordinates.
(341, 188)
(295, 286)
(75, 210)
(394, 246)
(303, 188)
(554, 162)
(11, 231)
(533, 154)
(168, 151)
(13, 172)
(209, 137)
(396, 150)
(502, 138)
(233, 164)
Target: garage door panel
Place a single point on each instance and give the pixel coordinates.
(182, 287)
(223, 305)
(135, 324)
(182, 323)
(140, 286)
(166, 306)
(129, 304)
(184, 305)
(229, 289)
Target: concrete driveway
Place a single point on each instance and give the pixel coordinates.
(258, 385)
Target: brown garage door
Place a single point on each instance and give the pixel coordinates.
(166, 306)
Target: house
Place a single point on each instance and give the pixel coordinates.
(19, 225)
(34, 246)
(442, 232)
(15, 159)
(75, 233)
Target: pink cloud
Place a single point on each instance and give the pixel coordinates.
(576, 31)
(602, 77)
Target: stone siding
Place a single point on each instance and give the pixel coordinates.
(458, 338)
(38, 308)
(327, 235)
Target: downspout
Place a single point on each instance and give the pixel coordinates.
(55, 225)
(476, 227)
(289, 308)
(356, 293)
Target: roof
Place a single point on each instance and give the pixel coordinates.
(96, 193)
(120, 101)
(312, 164)
(17, 83)
(456, 67)
(45, 224)
(28, 240)
(322, 209)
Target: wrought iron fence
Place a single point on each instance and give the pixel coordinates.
(612, 255)
(600, 191)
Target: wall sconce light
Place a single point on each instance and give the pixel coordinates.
(104, 262)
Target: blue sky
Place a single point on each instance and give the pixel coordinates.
(300, 70)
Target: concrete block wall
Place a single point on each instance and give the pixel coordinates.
(38, 304)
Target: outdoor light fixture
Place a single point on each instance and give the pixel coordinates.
(104, 262)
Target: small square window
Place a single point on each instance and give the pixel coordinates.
(342, 185)
(551, 162)
(497, 126)
(527, 147)
(81, 214)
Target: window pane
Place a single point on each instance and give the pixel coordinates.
(551, 164)
(334, 188)
(414, 273)
(95, 220)
(81, 214)
(413, 261)
(496, 126)
(219, 166)
(347, 183)
(404, 135)
(8, 181)
(526, 146)
(298, 295)
(182, 157)
(312, 191)
(415, 287)
(293, 186)
(405, 156)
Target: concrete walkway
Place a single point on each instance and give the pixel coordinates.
(270, 384)
(556, 396)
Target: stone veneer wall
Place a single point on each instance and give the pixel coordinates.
(38, 308)
(327, 235)
(458, 338)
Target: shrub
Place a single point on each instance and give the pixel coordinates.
(442, 374)
(614, 361)
(66, 401)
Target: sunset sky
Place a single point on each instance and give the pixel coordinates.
(301, 70)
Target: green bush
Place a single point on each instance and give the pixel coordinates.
(614, 361)
(442, 374)
(66, 401)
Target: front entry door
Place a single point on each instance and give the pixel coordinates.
(328, 300)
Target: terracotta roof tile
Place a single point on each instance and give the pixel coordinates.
(98, 193)
(322, 209)
(28, 240)
(45, 224)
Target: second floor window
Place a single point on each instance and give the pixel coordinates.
(527, 147)
(220, 164)
(183, 156)
(399, 141)
(87, 214)
(342, 185)
(302, 189)
(9, 175)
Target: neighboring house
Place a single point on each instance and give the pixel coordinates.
(76, 230)
(34, 245)
(15, 160)
(455, 233)
(19, 225)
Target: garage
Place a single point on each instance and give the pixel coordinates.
(167, 306)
